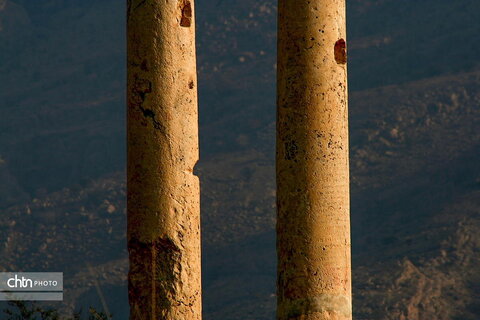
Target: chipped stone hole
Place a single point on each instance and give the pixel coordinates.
(186, 9)
(195, 169)
(340, 51)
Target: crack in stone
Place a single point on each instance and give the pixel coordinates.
(148, 113)
(142, 87)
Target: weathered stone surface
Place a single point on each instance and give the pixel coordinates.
(313, 226)
(163, 193)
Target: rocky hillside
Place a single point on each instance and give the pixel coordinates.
(414, 119)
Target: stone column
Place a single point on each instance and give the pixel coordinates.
(313, 226)
(163, 193)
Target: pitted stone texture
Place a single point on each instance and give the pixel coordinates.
(313, 225)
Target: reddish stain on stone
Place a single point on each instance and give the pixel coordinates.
(340, 51)
(186, 20)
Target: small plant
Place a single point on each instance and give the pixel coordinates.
(20, 310)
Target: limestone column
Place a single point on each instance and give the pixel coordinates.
(162, 132)
(313, 227)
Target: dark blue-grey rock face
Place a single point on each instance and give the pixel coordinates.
(414, 120)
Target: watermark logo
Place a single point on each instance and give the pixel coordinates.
(37, 286)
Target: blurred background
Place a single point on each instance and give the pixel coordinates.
(414, 81)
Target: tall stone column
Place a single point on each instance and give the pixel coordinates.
(163, 193)
(313, 227)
